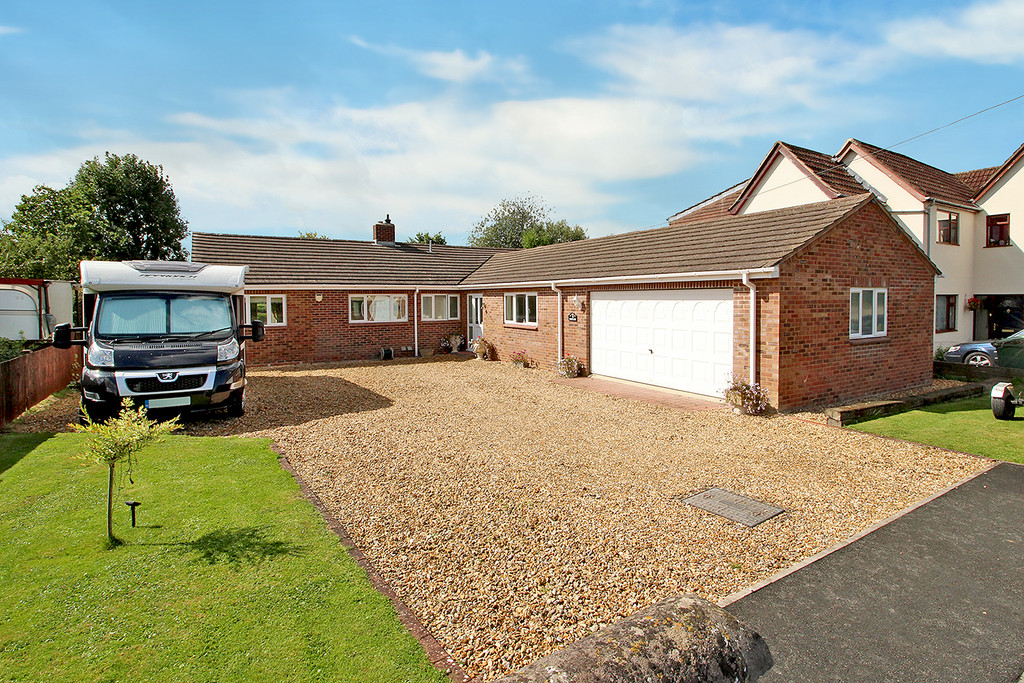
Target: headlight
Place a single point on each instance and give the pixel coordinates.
(100, 357)
(953, 349)
(227, 351)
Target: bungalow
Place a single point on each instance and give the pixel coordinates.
(819, 302)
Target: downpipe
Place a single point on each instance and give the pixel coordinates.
(753, 325)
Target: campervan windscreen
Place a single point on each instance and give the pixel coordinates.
(164, 315)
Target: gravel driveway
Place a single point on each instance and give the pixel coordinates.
(514, 514)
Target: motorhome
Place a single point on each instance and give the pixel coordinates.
(167, 334)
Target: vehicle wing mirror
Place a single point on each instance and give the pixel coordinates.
(259, 331)
(62, 336)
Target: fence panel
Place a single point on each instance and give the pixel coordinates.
(29, 378)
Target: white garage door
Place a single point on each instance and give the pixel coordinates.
(680, 339)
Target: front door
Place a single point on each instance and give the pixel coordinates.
(475, 316)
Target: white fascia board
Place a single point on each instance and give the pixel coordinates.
(367, 288)
(755, 273)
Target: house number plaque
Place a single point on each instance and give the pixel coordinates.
(572, 317)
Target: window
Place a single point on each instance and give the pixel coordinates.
(945, 313)
(378, 308)
(998, 230)
(868, 313)
(521, 309)
(440, 307)
(949, 227)
(269, 308)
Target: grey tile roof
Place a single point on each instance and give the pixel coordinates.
(298, 260)
(830, 171)
(757, 240)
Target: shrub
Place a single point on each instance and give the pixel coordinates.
(751, 398)
(940, 351)
(519, 357)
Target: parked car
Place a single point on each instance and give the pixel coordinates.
(1011, 350)
(972, 353)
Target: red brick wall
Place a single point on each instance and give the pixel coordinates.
(319, 331)
(818, 363)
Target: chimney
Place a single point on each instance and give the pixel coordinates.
(384, 232)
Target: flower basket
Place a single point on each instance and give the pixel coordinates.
(974, 304)
(570, 366)
(446, 346)
(519, 359)
(746, 398)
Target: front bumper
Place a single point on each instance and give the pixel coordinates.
(193, 389)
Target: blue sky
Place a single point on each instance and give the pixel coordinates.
(271, 118)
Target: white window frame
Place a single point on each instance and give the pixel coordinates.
(391, 307)
(879, 318)
(266, 301)
(433, 299)
(515, 308)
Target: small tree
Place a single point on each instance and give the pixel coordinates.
(427, 238)
(117, 441)
(312, 235)
(552, 232)
(505, 224)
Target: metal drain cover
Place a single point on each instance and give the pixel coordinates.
(746, 511)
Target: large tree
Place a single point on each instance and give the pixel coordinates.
(519, 222)
(115, 209)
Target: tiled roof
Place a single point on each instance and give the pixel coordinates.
(977, 178)
(298, 260)
(757, 240)
(828, 170)
(712, 207)
(927, 180)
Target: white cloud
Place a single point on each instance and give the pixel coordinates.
(8, 30)
(988, 32)
(456, 66)
(720, 63)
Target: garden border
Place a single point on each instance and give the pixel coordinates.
(436, 653)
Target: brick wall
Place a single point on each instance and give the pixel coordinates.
(320, 331)
(818, 363)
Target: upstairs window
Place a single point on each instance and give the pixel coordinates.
(949, 227)
(440, 306)
(868, 312)
(945, 313)
(377, 308)
(997, 230)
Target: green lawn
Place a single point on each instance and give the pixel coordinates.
(966, 425)
(230, 575)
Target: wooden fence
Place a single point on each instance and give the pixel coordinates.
(29, 378)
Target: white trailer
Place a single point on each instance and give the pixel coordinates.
(30, 308)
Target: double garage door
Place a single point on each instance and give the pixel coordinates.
(679, 339)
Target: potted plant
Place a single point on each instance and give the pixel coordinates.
(746, 398)
(519, 359)
(446, 346)
(482, 348)
(570, 366)
(456, 341)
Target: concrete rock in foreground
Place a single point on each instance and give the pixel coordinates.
(683, 639)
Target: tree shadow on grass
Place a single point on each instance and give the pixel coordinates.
(243, 545)
(979, 404)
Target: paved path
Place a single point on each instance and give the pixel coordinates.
(644, 392)
(935, 595)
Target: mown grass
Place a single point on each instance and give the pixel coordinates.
(966, 425)
(230, 575)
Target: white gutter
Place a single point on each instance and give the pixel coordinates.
(753, 273)
(561, 350)
(416, 324)
(753, 327)
(760, 273)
